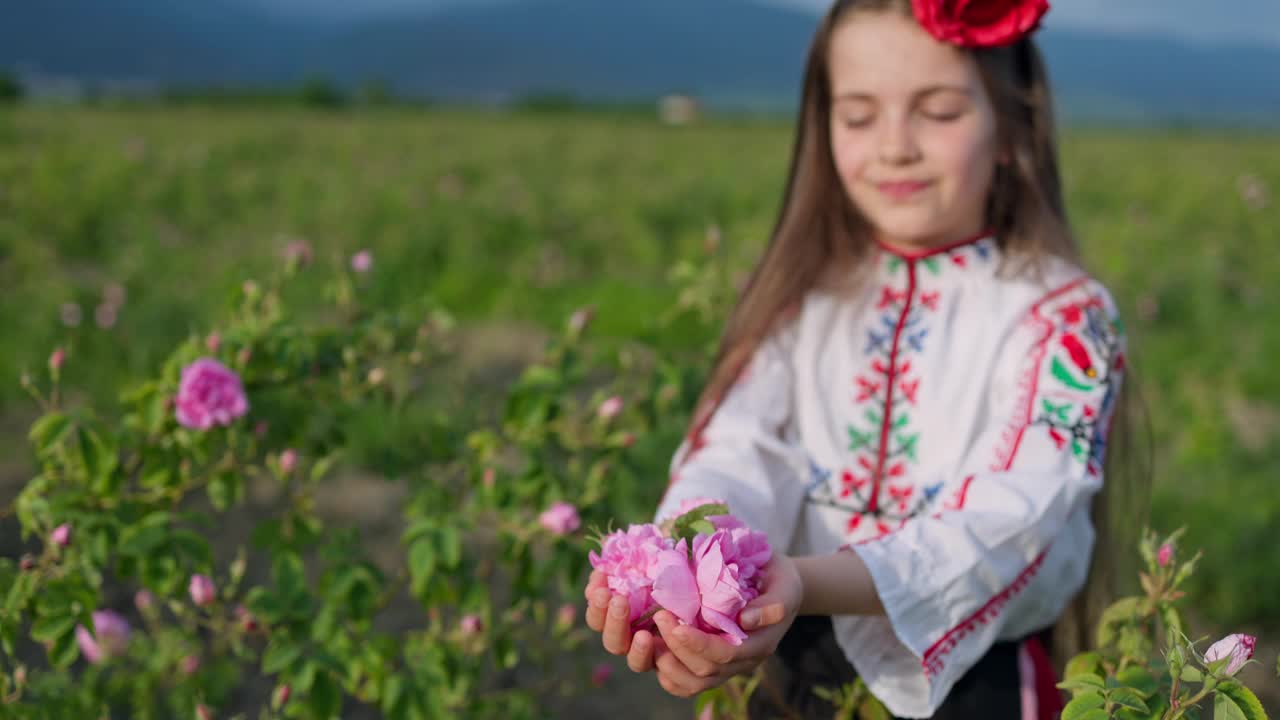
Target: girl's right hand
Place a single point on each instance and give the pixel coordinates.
(609, 615)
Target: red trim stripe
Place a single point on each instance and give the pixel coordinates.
(930, 252)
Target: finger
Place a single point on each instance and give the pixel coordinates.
(617, 626)
(640, 657)
(695, 649)
(678, 675)
(760, 616)
(673, 687)
(597, 580)
(597, 604)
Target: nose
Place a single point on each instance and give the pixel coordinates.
(897, 141)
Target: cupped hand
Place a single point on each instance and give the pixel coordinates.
(698, 661)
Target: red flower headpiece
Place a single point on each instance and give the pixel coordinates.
(979, 23)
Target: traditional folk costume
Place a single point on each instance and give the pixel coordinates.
(947, 422)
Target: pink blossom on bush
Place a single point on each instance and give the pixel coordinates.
(281, 697)
(105, 316)
(288, 461)
(1238, 647)
(189, 664)
(362, 262)
(202, 590)
(209, 394)
(566, 615)
(56, 359)
(212, 342)
(1165, 554)
(471, 625)
(298, 253)
(601, 673)
(203, 712)
(61, 535)
(609, 409)
(580, 319)
(560, 519)
(628, 559)
(144, 600)
(109, 638)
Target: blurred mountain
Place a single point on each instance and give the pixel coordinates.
(731, 53)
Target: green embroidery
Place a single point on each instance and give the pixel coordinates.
(1061, 373)
(1057, 411)
(907, 445)
(873, 417)
(931, 264)
(858, 440)
(902, 421)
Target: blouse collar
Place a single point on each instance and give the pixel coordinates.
(978, 251)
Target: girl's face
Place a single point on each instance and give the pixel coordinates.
(912, 130)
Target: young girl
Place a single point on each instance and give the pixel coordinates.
(914, 393)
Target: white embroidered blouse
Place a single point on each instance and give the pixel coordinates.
(948, 424)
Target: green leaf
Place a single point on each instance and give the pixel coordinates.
(1225, 708)
(325, 696)
(1082, 703)
(1083, 682)
(451, 547)
(49, 431)
(51, 628)
(1139, 679)
(1128, 698)
(322, 466)
(1244, 700)
(1122, 611)
(1190, 674)
(422, 564)
(65, 650)
(1083, 664)
(289, 574)
(280, 654)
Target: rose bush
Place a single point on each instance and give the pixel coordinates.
(130, 608)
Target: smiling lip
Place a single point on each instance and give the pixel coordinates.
(901, 190)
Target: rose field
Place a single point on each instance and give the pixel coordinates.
(319, 413)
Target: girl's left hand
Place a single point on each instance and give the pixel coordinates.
(699, 661)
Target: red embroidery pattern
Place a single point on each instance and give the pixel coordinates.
(934, 657)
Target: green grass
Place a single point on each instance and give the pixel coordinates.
(521, 218)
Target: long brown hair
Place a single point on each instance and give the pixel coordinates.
(820, 239)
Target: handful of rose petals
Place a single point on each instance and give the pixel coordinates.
(703, 566)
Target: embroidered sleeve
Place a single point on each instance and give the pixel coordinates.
(1009, 544)
(744, 453)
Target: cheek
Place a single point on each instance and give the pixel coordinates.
(968, 154)
(850, 153)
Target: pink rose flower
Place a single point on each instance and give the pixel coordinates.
(61, 535)
(281, 697)
(288, 461)
(212, 342)
(1165, 554)
(609, 409)
(628, 558)
(601, 673)
(209, 394)
(560, 519)
(202, 590)
(203, 712)
(362, 262)
(189, 664)
(471, 625)
(709, 592)
(144, 600)
(109, 638)
(56, 359)
(1238, 647)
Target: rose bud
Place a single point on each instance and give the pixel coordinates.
(202, 590)
(61, 535)
(471, 625)
(1238, 647)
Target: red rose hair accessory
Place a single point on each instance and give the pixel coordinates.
(979, 23)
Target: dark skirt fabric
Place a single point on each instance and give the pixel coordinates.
(809, 657)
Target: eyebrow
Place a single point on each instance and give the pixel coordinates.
(923, 92)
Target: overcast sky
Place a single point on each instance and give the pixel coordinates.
(1224, 21)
